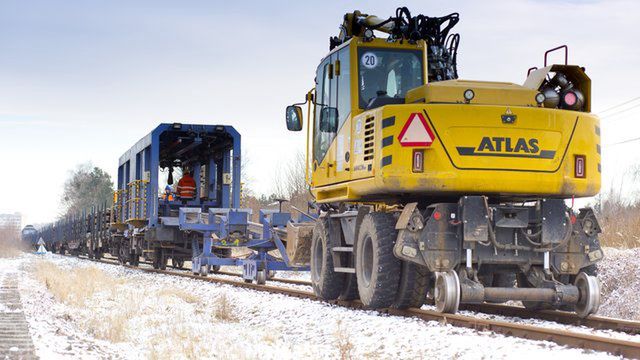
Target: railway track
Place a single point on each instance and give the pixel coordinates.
(626, 348)
(560, 317)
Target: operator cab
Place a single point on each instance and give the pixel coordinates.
(385, 76)
(357, 76)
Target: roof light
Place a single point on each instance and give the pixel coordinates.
(570, 98)
(368, 35)
(469, 95)
(176, 126)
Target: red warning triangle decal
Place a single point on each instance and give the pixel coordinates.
(416, 132)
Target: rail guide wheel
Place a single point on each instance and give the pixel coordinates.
(261, 277)
(589, 289)
(204, 270)
(447, 292)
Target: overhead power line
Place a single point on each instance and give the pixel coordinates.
(620, 112)
(623, 142)
(619, 105)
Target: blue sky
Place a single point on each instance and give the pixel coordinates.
(83, 80)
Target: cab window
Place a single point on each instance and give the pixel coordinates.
(321, 139)
(344, 86)
(333, 89)
(388, 73)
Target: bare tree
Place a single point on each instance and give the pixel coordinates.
(290, 183)
(86, 186)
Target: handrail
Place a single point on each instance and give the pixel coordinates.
(566, 54)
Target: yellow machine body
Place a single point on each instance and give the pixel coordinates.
(500, 143)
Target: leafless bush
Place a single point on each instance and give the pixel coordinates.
(225, 311)
(619, 212)
(620, 225)
(343, 342)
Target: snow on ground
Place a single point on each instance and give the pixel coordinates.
(126, 313)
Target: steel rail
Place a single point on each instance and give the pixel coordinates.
(561, 317)
(114, 261)
(626, 348)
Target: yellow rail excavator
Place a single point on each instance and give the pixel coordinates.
(434, 189)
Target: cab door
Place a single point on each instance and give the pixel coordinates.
(332, 149)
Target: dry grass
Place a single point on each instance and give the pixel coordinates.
(180, 294)
(620, 224)
(76, 287)
(225, 311)
(73, 286)
(343, 342)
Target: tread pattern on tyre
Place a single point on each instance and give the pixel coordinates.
(385, 278)
(331, 283)
(413, 287)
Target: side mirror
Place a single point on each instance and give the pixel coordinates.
(294, 118)
(329, 119)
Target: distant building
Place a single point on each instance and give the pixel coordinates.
(11, 220)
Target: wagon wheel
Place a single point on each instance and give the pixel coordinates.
(123, 255)
(177, 263)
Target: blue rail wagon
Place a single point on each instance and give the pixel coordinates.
(149, 223)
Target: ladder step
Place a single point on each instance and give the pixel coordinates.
(343, 249)
(345, 270)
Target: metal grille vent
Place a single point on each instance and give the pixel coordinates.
(369, 127)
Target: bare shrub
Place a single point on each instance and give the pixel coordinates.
(619, 211)
(619, 218)
(343, 342)
(225, 311)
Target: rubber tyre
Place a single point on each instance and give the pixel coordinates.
(377, 269)
(413, 287)
(326, 283)
(350, 290)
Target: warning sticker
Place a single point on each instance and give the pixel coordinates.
(416, 132)
(369, 60)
